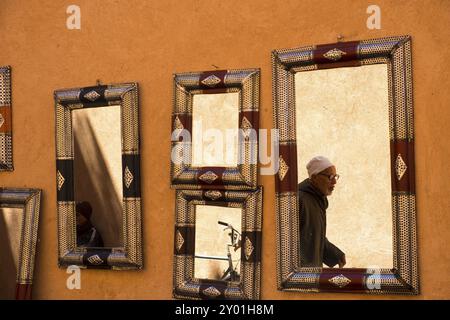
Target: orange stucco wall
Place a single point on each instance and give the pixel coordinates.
(148, 41)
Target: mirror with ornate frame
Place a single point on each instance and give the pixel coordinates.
(215, 125)
(19, 219)
(6, 163)
(98, 178)
(217, 252)
(350, 102)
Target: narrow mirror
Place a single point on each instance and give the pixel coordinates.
(19, 219)
(97, 176)
(10, 230)
(6, 161)
(343, 114)
(217, 243)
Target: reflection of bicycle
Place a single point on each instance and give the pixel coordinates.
(235, 242)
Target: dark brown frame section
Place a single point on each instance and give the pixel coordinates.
(185, 286)
(29, 200)
(130, 255)
(186, 85)
(396, 53)
(6, 162)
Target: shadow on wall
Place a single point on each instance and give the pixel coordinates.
(8, 272)
(95, 182)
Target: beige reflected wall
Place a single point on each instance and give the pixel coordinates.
(98, 168)
(10, 230)
(215, 130)
(343, 114)
(211, 240)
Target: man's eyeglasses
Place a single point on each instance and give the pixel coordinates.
(330, 176)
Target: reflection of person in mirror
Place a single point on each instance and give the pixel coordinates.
(315, 249)
(87, 234)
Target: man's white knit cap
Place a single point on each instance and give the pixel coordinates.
(318, 164)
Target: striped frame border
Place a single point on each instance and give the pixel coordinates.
(185, 285)
(396, 53)
(6, 160)
(30, 201)
(130, 255)
(186, 85)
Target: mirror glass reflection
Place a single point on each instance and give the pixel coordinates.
(217, 243)
(215, 124)
(10, 231)
(97, 176)
(343, 114)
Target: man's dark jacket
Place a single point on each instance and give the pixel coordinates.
(315, 249)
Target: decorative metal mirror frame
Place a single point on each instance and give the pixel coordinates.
(29, 200)
(186, 286)
(130, 255)
(186, 85)
(396, 53)
(6, 163)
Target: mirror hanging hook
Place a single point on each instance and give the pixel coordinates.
(215, 66)
(340, 38)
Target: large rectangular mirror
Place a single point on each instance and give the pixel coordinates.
(98, 180)
(19, 218)
(6, 163)
(353, 106)
(217, 244)
(345, 188)
(215, 130)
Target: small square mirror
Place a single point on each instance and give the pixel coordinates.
(215, 124)
(217, 249)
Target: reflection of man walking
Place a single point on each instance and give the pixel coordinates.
(315, 249)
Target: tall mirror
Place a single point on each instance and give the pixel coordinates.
(19, 218)
(215, 124)
(98, 178)
(217, 244)
(345, 188)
